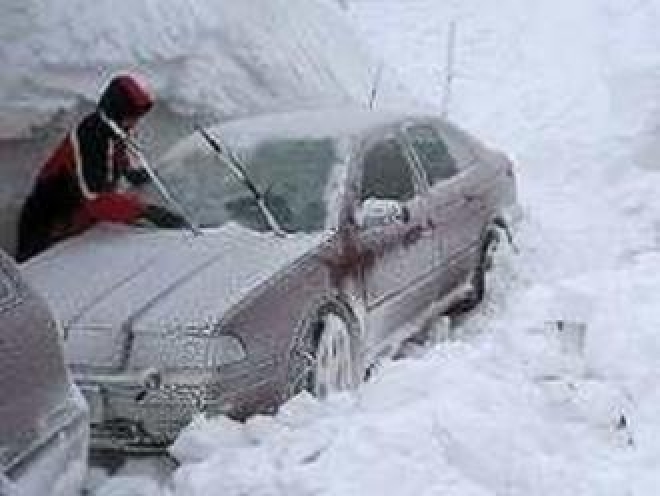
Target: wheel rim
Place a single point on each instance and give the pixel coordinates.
(333, 368)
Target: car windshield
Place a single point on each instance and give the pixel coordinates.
(295, 175)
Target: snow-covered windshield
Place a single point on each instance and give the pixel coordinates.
(295, 176)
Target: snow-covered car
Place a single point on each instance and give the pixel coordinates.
(389, 217)
(44, 426)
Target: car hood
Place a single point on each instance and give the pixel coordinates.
(118, 277)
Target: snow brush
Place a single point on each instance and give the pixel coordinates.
(134, 149)
(225, 154)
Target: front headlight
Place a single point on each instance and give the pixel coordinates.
(186, 351)
(224, 350)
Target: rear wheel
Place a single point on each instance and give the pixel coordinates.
(478, 277)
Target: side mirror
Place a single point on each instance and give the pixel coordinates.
(376, 212)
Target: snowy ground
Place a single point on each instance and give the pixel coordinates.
(507, 404)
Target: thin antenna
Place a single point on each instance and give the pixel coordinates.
(375, 86)
(449, 69)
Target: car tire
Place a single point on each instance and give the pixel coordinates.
(324, 360)
(477, 278)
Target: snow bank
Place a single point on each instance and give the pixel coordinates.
(230, 57)
(506, 406)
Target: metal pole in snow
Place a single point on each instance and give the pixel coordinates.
(449, 69)
(374, 88)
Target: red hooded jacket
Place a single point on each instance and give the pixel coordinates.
(77, 186)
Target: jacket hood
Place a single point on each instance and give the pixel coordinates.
(125, 96)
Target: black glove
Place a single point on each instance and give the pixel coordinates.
(162, 217)
(137, 177)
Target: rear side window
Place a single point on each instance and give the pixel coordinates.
(459, 145)
(433, 153)
(386, 173)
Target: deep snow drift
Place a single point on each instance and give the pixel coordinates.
(507, 404)
(230, 57)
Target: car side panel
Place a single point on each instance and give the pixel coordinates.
(397, 259)
(478, 195)
(271, 319)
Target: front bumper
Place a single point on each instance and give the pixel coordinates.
(126, 416)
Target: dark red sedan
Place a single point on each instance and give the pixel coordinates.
(385, 218)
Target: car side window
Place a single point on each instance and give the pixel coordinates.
(387, 173)
(432, 153)
(458, 144)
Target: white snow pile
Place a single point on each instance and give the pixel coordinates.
(226, 56)
(511, 403)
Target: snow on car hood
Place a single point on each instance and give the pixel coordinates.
(114, 276)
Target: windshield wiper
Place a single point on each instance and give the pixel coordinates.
(227, 156)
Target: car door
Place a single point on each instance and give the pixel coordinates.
(400, 252)
(448, 169)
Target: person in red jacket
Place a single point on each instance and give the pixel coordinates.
(78, 186)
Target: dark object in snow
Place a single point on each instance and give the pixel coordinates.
(79, 184)
(622, 423)
(389, 219)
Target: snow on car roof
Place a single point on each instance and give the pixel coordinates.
(341, 122)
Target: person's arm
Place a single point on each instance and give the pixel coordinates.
(105, 207)
(162, 217)
(135, 175)
(125, 208)
(115, 207)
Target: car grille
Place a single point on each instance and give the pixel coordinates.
(126, 416)
(132, 419)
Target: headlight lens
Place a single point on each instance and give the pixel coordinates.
(184, 351)
(225, 349)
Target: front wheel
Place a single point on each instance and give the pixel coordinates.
(333, 369)
(324, 361)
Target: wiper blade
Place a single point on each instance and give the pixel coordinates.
(228, 157)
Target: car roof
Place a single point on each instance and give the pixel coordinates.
(338, 122)
(341, 121)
